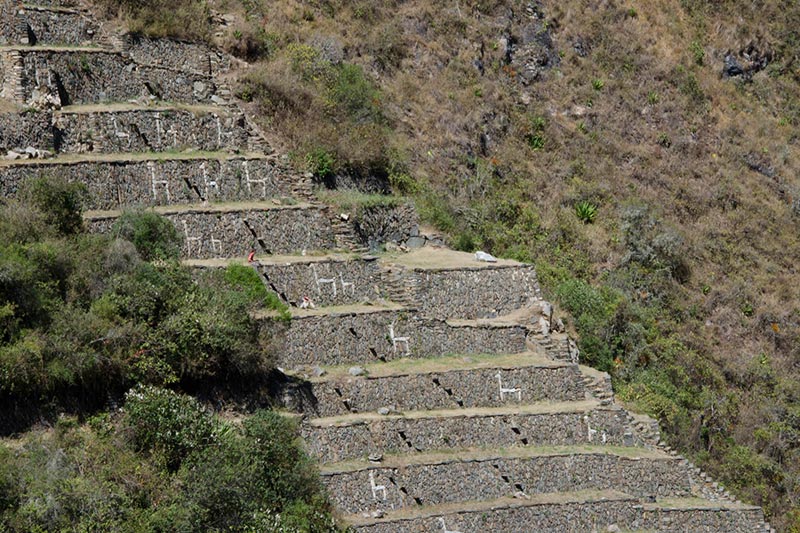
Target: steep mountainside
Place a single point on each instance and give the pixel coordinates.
(642, 155)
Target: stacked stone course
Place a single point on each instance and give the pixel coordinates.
(466, 388)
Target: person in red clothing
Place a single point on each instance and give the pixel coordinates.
(251, 257)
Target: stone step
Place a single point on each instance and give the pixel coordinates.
(358, 436)
(33, 24)
(230, 230)
(117, 181)
(450, 284)
(606, 510)
(478, 475)
(363, 334)
(86, 75)
(328, 280)
(443, 383)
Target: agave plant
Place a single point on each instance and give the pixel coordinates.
(586, 211)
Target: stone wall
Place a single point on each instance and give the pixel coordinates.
(598, 515)
(20, 130)
(397, 434)
(519, 518)
(743, 520)
(210, 233)
(90, 76)
(177, 55)
(348, 337)
(61, 27)
(12, 27)
(467, 388)
(473, 292)
(355, 280)
(377, 225)
(119, 184)
(454, 481)
(150, 131)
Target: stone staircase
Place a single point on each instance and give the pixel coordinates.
(430, 393)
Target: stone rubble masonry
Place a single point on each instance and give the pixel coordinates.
(466, 388)
(141, 130)
(12, 28)
(154, 130)
(398, 434)
(473, 292)
(585, 516)
(158, 182)
(349, 337)
(185, 56)
(454, 481)
(667, 520)
(294, 280)
(211, 233)
(53, 25)
(377, 225)
(92, 76)
(20, 130)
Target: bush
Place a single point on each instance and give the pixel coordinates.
(586, 211)
(167, 423)
(152, 234)
(247, 280)
(60, 202)
(260, 472)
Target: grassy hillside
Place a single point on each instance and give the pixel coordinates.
(642, 154)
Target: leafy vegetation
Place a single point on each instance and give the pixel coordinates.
(84, 317)
(163, 464)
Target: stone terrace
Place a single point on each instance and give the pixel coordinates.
(434, 394)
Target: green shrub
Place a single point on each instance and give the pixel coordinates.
(256, 474)
(321, 163)
(153, 235)
(164, 422)
(246, 279)
(60, 202)
(586, 211)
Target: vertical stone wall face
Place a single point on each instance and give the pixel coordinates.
(11, 25)
(596, 515)
(454, 293)
(125, 184)
(391, 434)
(59, 27)
(149, 131)
(20, 130)
(480, 480)
(456, 389)
(212, 234)
(377, 225)
(355, 281)
(364, 338)
(744, 520)
(84, 77)
(177, 55)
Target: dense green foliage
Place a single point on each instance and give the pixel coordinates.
(84, 317)
(164, 464)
